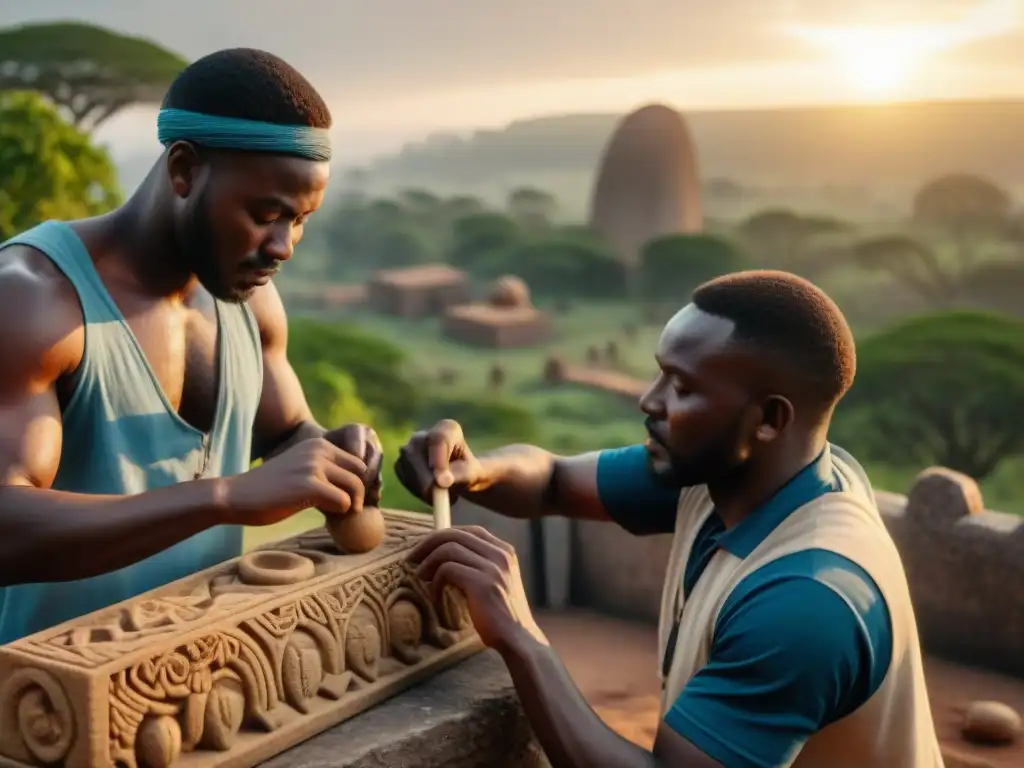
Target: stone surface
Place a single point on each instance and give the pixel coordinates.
(648, 184)
(616, 572)
(234, 664)
(466, 717)
(991, 722)
(940, 497)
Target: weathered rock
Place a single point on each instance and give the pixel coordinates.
(466, 717)
(991, 722)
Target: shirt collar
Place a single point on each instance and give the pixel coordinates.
(814, 480)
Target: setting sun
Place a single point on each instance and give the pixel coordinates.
(878, 62)
(881, 68)
(882, 60)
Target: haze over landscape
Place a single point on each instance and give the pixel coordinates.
(396, 72)
(522, 195)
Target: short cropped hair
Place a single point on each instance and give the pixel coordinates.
(249, 84)
(790, 317)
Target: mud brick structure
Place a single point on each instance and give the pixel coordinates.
(418, 291)
(481, 325)
(647, 184)
(327, 298)
(233, 665)
(507, 320)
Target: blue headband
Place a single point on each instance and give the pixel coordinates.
(246, 135)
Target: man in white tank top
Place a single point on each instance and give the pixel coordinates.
(787, 637)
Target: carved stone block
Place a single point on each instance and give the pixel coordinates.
(234, 664)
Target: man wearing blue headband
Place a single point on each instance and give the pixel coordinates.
(145, 359)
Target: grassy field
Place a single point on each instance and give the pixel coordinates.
(573, 419)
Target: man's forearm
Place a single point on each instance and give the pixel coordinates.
(48, 535)
(522, 482)
(570, 732)
(304, 431)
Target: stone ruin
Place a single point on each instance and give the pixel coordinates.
(234, 664)
(418, 291)
(508, 319)
(647, 184)
(327, 298)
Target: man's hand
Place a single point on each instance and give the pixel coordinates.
(441, 457)
(362, 442)
(486, 570)
(312, 473)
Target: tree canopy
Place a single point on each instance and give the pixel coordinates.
(673, 265)
(782, 239)
(50, 169)
(86, 70)
(963, 224)
(945, 388)
(963, 205)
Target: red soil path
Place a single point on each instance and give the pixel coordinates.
(614, 664)
(605, 380)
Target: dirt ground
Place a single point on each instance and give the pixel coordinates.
(615, 666)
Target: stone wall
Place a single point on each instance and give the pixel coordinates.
(965, 567)
(465, 717)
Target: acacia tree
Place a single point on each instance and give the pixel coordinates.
(782, 239)
(965, 208)
(966, 212)
(945, 388)
(49, 168)
(90, 72)
(671, 266)
(531, 206)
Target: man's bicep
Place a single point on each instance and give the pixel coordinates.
(282, 405)
(42, 338)
(30, 438)
(632, 495)
(783, 666)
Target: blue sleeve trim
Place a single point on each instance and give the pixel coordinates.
(632, 495)
(712, 745)
(800, 643)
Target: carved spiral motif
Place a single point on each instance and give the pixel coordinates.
(34, 705)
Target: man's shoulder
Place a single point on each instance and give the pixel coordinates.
(39, 308)
(849, 474)
(817, 600)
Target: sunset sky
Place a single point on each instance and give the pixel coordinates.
(394, 70)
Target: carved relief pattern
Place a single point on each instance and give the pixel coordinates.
(359, 628)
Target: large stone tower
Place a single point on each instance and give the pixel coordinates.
(647, 184)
